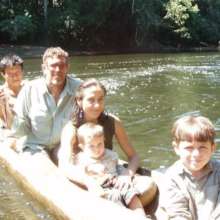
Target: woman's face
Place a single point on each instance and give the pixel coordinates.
(92, 103)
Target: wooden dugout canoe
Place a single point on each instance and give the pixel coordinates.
(64, 200)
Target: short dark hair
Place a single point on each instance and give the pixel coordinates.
(9, 61)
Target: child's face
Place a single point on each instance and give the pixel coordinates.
(13, 75)
(194, 155)
(93, 103)
(94, 147)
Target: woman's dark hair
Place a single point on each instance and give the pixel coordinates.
(78, 115)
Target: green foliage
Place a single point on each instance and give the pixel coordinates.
(209, 28)
(179, 13)
(19, 26)
(110, 24)
(77, 21)
(148, 16)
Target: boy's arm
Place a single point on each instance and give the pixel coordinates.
(174, 201)
(3, 111)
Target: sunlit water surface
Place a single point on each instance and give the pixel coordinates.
(148, 92)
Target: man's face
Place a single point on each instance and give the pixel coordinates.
(55, 70)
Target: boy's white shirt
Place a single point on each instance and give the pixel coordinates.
(107, 164)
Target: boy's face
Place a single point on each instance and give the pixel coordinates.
(194, 155)
(13, 75)
(94, 147)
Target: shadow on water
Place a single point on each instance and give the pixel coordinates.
(149, 92)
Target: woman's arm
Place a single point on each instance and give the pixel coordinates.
(68, 138)
(65, 155)
(126, 146)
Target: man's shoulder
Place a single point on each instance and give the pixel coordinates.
(73, 80)
(72, 83)
(34, 82)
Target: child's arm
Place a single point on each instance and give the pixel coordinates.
(2, 105)
(6, 107)
(127, 148)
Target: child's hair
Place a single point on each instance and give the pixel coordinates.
(78, 116)
(89, 130)
(9, 61)
(55, 52)
(193, 128)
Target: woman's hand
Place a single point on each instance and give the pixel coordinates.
(107, 180)
(123, 182)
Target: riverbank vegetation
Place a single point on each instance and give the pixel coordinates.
(111, 25)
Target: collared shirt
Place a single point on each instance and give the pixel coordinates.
(184, 197)
(38, 117)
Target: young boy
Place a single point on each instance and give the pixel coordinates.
(100, 168)
(191, 185)
(11, 68)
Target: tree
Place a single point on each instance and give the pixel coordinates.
(179, 13)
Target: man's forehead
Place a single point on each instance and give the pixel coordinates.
(56, 59)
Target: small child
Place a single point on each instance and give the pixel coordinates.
(11, 68)
(100, 166)
(191, 185)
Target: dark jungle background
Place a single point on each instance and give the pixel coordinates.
(111, 25)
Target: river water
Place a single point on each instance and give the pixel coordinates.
(148, 92)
